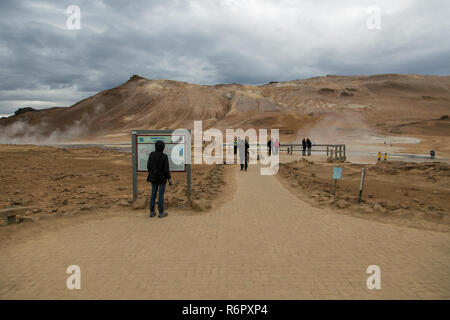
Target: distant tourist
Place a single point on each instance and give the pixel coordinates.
(379, 156)
(269, 146)
(243, 153)
(158, 175)
(309, 146)
(432, 154)
(235, 146)
(303, 147)
(277, 146)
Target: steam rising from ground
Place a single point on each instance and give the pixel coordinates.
(338, 128)
(22, 132)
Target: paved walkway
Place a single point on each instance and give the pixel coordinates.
(264, 244)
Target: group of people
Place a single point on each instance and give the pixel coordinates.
(159, 173)
(306, 145)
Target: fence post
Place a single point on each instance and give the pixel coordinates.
(361, 185)
(188, 183)
(134, 165)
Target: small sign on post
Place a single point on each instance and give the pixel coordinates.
(337, 175)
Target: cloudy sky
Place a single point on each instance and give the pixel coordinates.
(44, 62)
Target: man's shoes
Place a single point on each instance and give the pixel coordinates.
(162, 215)
(152, 214)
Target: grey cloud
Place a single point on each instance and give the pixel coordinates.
(43, 64)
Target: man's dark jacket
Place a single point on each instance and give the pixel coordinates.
(158, 165)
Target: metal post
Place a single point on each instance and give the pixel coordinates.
(188, 169)
(188, 182)
(345, 156)
(133, 165)
(361, 185)
(327, 149)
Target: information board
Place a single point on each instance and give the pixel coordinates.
(175, 148)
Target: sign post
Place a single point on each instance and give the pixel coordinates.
(361, 185)
(337, 175)
(178, 150)
(133, 164)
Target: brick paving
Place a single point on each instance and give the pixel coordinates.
(263, 244)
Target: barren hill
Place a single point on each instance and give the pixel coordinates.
(388, 102)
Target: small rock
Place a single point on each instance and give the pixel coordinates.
(342, 204)
(367, 209)
(140, 204)
(200, 205)
(123, 203)
(377, 207)
(26, 219)
(404, 206)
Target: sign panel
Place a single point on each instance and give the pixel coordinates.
(175, 148)
(337, 173)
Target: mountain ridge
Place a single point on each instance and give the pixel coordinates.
(140, 103)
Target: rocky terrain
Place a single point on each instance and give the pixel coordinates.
(412, 194)
(39, 182)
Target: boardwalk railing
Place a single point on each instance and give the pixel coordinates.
(334, 151)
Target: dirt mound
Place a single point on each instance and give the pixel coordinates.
(406, 193)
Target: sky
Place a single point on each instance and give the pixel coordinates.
(48, 59)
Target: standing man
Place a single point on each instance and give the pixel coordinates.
(243, 154)
(158, 175)
(269, 146)
(308, 145)
(432, 154)
(303, 147)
